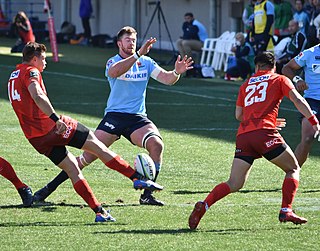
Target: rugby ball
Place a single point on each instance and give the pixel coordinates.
(145, 166)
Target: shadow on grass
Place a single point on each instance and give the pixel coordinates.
(147, 231)
(177, 231)
(51, 206)
(241, 191)
(311, 191)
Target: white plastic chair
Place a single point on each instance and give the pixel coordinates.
(219, 50)
(209, 49)
(229, 43)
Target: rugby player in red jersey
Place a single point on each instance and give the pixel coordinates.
(49, 133)
(7, 171)
(257, 110)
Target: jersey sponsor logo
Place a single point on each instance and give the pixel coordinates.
(67, 132)
(315, 68)
(135, 76)
(300, 55)
(34, 74)
(317, 57)
(111, 126)
(110, 62)
(14, 74)
(271, 142)
(258, 79)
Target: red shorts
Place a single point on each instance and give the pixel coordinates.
(45, 144)
(259, 143)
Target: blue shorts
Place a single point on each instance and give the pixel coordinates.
(124, 124)
(315, 108)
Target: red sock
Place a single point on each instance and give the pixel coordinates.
(121, 166)
(289, 189)
(7, 171)
(217, 193)
(83, 189)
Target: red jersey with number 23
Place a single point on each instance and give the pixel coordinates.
(33, 121)
(260, 98)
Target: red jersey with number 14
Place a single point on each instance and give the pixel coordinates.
(260, 97)
(33, 121)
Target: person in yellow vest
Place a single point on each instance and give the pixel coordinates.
(262, 26)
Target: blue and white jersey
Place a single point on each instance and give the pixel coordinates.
(203, 35)
(303, 19)
(309, 60)
(128, 91)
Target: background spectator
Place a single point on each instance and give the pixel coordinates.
(283, 14)
(262, 26)
(194, 34)
(308, 8)
(301, 16)
(244, 54)
(247, 15)
(24, 30)
(313, 30)
(85, 13)
(297, 44)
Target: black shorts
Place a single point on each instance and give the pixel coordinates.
(124, 124)
(80, 136)
(315, 108)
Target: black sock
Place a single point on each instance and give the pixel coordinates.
(146, 192)
(57, 181)
(136, 175)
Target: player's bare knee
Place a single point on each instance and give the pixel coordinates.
(234, 186)
(153, 141)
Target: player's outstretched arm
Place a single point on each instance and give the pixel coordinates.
(181, 66)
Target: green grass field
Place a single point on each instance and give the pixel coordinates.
(196, 119)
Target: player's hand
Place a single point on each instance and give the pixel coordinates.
(183, 64)
(301, 86)
(61, 127)
(317, 133)
(146, 47)
(280, 123)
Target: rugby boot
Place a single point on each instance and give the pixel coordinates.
(196, 215)
(26, 196)
(291, 217)
(147, 184)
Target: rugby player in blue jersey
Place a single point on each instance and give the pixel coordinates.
(309, 61)
(128, 74)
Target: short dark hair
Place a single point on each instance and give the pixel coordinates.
(32, 49)
(302, 1)
(188, 14)
(125, 30)
(265, 59)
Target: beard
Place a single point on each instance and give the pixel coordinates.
(127, 51)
